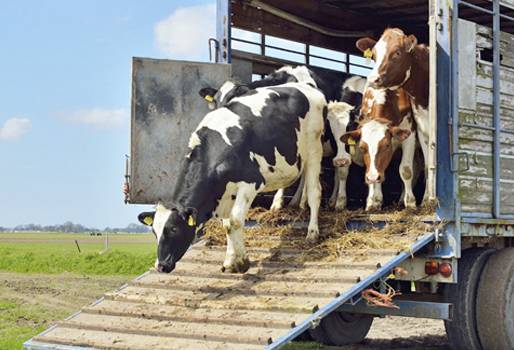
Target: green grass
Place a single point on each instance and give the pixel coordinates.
(20, 322)
(58, 253)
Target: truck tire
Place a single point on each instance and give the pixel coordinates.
(495, 302)
(342, 328)
(462, 330)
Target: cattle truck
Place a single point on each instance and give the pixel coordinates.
(460, 272)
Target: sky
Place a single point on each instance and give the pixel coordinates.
(65, 68)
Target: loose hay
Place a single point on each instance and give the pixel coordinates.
(287, 228)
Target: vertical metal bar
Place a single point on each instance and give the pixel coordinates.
(307, 54)
(496, 107)
(441, 29)
(432, 104)
(263, 44)
(455, 108)
(223, 29)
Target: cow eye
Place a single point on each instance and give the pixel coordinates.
(397, 53)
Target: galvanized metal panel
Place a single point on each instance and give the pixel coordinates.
(242, 70)
(467, 64)
(476, 132)
(166, 108)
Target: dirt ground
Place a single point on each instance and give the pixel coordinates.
(66, 293)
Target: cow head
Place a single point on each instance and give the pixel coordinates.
(393, 56)
(217, 98)
(339, 116)
(375, 140)
(175, 231)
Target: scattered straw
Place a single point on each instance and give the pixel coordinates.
(287, 228)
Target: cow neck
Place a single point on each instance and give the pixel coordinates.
(197, 193)
(395, 108)
(416, 86)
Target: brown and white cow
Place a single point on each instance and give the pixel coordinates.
(386, 124)
(401, 62)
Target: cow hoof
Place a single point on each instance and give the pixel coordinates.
(312, 235)
(239, 266)
(410, 203)
(341, 162)
(373, 207)
(275, 207)
(341, 204)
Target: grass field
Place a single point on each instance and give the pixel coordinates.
(128, 254)
(37, 254)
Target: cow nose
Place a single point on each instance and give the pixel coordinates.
(373, 178)
(375, 80)
(340, 162)
(166, 268)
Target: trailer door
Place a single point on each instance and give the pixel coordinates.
(166, 108)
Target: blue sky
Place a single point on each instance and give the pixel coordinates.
(65, 68)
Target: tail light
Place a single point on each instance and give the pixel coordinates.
(431, 267)
(445, 269)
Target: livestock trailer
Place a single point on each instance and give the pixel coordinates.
(470, 175)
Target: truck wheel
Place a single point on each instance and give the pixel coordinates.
(318, 334)
(495, 302)
(342, 328)
(462, 331)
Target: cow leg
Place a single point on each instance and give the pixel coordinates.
(423, 141)
(313, 189)
(333, 197)
(299, 193)
(278, 200)
(406, 170)
(236, 260)
(375, 197)
(338, 198)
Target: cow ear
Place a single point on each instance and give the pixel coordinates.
(399, 133)
(351, 137)
(146, 218)
(364, 44)
(190, 215)
(411, 42)
(241, 90)
(208, 93)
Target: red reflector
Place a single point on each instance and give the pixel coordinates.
(431, 267)
(445, 269)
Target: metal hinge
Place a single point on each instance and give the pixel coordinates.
(455, 164)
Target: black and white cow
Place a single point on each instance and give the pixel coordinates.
(336, 87)
(258, 142)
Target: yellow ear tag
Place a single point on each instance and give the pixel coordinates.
(368, 54)
(351, 142)
(148, 220)
(209, 98)
(191, 221)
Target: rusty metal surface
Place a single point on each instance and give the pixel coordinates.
(166, 108)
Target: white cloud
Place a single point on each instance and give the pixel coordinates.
(186, 31)
(99, 117)
(15, 128)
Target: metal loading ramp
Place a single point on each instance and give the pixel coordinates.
(199, 307)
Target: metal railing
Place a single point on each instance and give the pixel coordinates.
(262, 47)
